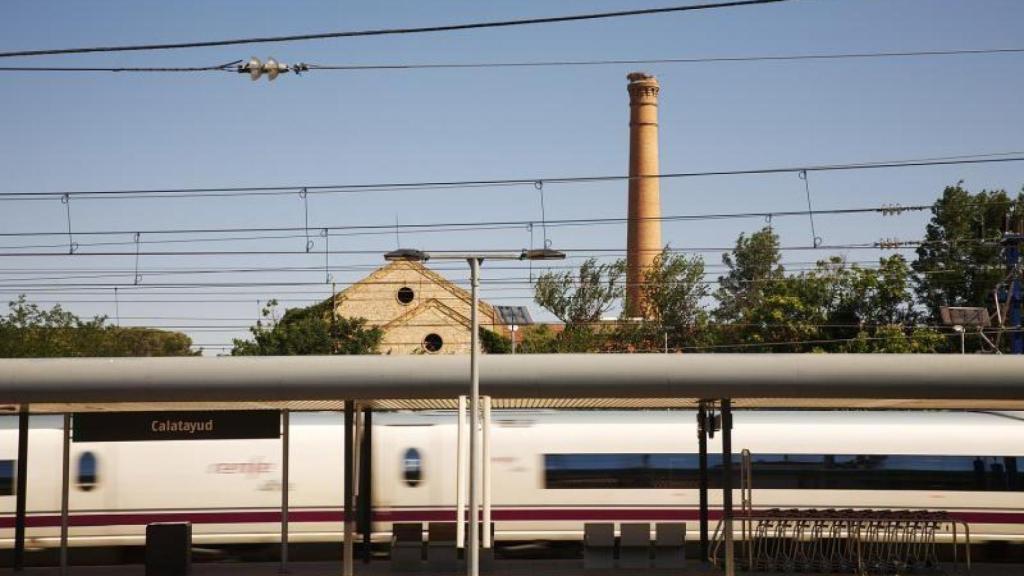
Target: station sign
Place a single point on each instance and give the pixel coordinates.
(144, 426)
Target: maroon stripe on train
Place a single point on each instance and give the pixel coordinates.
(424, 515)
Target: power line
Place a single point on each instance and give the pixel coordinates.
(906, 245)
(691, 60)
(226, 67)
(453, 226)
(229, 67)
(989, 158)
(388, 31)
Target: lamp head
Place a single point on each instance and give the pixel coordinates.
(542, 254)
(406, 255)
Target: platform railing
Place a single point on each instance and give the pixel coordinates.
(855, 541)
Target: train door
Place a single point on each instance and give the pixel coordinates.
(92, 487)
(409, 463)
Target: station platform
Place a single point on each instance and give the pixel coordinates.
(501, 568)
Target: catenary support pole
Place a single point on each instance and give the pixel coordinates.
(702, 459)
(473, 556)
(366, 486)
(20, 491)
(347, 565)
(730, 556)
(486, 460)
(357, 462)
(285, 465)
(65, 488)
(460, 476)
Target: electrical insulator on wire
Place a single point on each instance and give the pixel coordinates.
(272, 68)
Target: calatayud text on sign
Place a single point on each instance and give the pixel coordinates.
(206, 425)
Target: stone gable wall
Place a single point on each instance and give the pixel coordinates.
(376, 299)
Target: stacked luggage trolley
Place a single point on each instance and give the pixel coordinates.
(845, 541)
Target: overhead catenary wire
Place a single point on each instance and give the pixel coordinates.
(340, 229)
(389, 31)
(747, 58)
(903, 245)
(959, 160)
(646, 61)
(226, 67)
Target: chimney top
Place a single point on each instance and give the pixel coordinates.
(639, 76)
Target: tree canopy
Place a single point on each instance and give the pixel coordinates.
(308, 331)
(758, 306)
(28, 331)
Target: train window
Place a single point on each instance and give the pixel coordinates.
(412, 467)
(6, 477)
(88, 472)
(789, 471)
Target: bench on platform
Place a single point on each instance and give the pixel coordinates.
(670, 545)
(406, 547)
(598, 545)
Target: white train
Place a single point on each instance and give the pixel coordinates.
(552, 471)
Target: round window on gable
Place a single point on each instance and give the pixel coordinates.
(433, 343)
(412, 467)
(405, 295)
(88, 472)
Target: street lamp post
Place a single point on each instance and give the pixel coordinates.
(474, 259)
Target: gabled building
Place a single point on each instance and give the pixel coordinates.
(420, 311)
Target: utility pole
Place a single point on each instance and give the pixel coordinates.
(1011, 250)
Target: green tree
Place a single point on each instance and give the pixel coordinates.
(494, 343)
(579, 300)
(537, 339)
(759, 307)
(673, 313)
(28, 331)
(960, 262)
(754, 266)
(870, 309)
(833, 307)
(314, 330)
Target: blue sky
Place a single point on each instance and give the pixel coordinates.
(105, 131)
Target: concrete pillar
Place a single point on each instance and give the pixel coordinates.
(643, 238)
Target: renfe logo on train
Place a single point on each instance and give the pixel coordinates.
(142, 426)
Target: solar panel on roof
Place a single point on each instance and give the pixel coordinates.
(519, 315)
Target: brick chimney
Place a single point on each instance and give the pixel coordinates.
(643, 236)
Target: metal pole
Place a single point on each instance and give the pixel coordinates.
(487, 471)
(702, 443)
(513, 331)
(20, 491)
(347, 567)
(730, 556)
(1013, 300)
(366, 485)
(460, 476)
(285, 461)
(473, 558)
(65, 488)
